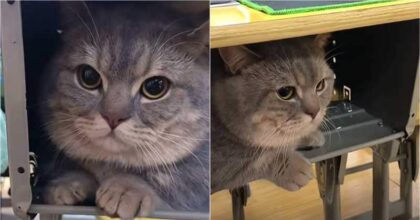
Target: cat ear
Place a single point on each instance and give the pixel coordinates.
(189, 7)
(201, 33)
(72, 12)
(237, 57)
(198, 40)
(321, 40)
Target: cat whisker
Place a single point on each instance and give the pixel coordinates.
(150, 147)
(332, 50)
(280, 152)
(57, 122)
(146, 131)
(171, 38)
(87, 27)
(182, 137)
(288, 63)
(169, 166)
(164, 163)
(324, 125)
(283, 151)
(334, 55)
(328, 121)
(184, 148)
(265, 139)
(260, 147)
(148, 154)
(185, 42)
(72, 137)
(91, 18)
(66, 114)
(163, 31)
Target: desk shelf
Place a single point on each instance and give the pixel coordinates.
(351, 128)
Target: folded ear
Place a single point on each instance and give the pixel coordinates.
(201, 33)
(321, 40)
(79, 14)
(238, 57)
(72, 12)
(197, 40)
(189, 7)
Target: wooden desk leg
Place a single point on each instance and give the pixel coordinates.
(239, 199)
(329, 186)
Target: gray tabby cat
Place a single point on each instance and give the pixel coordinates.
(267, 100)
(128, 102)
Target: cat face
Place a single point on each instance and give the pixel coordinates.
(130, 90)
(277, 92)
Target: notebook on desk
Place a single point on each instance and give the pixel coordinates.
(277, 5)
(280, 7)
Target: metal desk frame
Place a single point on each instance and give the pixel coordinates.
(331, 170)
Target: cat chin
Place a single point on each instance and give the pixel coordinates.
(111, 144)
(113, 150)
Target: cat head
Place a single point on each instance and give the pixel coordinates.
(274, 93)
(129, 85)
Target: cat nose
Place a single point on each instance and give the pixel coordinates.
(312, 112)
(114, 120)
(310, 105)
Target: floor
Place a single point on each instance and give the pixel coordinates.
(270, 202)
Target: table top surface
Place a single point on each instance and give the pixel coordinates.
(235, 24)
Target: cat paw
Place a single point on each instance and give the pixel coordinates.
(295, 173)
(70, 189)
(125, 196)
(315, 139)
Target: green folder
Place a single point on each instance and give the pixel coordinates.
(280, 7)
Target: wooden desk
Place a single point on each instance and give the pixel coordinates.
(238, 24)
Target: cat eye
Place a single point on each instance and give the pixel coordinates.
(286, 93)
(88, 77)
(320, 86)
(155, 87)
